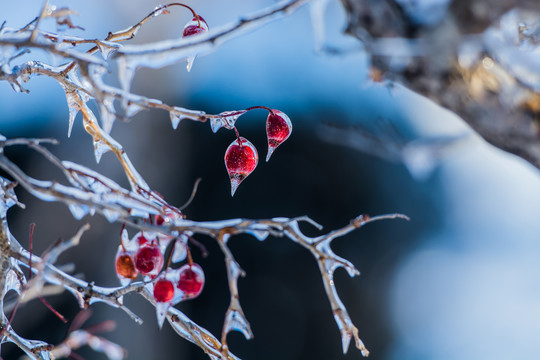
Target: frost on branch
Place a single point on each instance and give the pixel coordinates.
(162, 235)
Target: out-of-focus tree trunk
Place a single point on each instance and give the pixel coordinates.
(480, 59)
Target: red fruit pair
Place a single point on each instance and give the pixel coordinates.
(189, 281)
(241, 157)
(141, 256)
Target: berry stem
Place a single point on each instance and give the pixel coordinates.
(204, 252)
(180, 4)
(121, 239)
(31, 246)
(189, 258)
(169, 258)
(193, 193)
(261, 107)
(238, 136)
(239, 112)
(53, 310)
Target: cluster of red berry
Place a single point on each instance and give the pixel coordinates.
(144, 255)
(241, 156)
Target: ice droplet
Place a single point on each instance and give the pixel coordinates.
(160, 10)
(260, 235)
(73, 101)
(100, 148)
(190, 61)
(345, 340)
(278, 129)
(175, 119)
(12, 282)
(241, 158)
(317, 12)
(236, 321)
(78, 211)
(108, 115)
(132, 109)
(126, 71)
(226, 119)
(161, 312)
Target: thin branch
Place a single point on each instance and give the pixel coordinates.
(164, 53)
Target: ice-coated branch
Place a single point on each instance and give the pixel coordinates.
(172, 51)
(235, 319)
(89, 192)
(234, 316)
(319, 246)
(88, 293)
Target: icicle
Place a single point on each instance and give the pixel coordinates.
(132, 109)
(345, 339)
(12, 282)
(161, 312)
(107, 113)
(175, 119)
(160, 10)
(9, 198)
(227, 119)
(317, 12)
(260, 235)
(190, 61)
(100, 148)
(73, 103)
(125, 73)
(237, 322)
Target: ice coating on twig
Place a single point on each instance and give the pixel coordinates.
(226, 119)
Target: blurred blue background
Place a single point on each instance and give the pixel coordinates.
(459, 281)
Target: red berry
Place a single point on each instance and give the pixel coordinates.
(125, 266)
(149, 259)
(197, 25)
(241, 158)
(191, 280)
(141, 240)
(163, 290)
(278, 129)
(159, 220)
